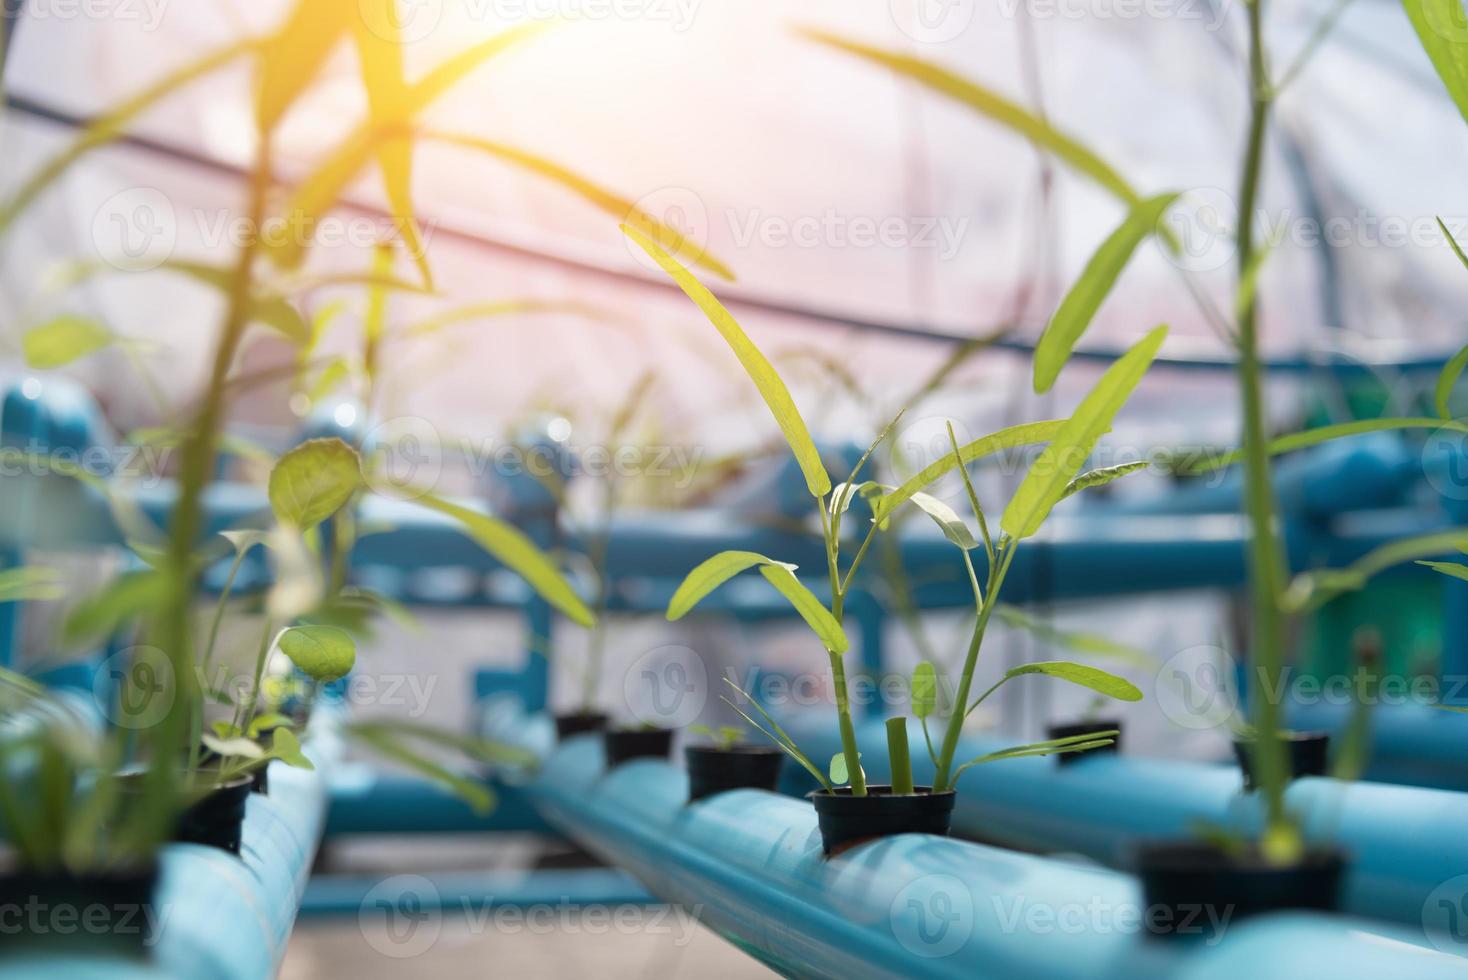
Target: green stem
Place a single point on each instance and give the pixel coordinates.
(899, 756)
(960, 705)
(1266, 556)
(849, 747)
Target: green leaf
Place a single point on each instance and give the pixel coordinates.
(320, 191)
(1314, 437)
(1088, 643)
(1448, 380)
(771, 388)
(776, 734)
(31, 583)
(508, 545)
(1078, 308)
(708, 576)
(323, 653)
(816, 615)
(243, 541)
(1089, 677)
(953, 527)
(1027, 434)
(1101, 477)
(314, 481)
(380, 51)
(480, 311)
(619, 208)
(122, 600)
(294, 54)
(111, 124)
(837, 770)
(265, 722)
(56, 343)
(1449, 568)
(233, 748)
(988, 103)
(1059, 746)
(924, 689)
(1311, 590)
(1443, 30)
(1062, 459)
(286, 747)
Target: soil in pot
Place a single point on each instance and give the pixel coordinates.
(846, 819)
(108, 910)
(1308, 754)
(580, 723)
(638, 743)
(1197, 888)
(1085, 728)
(713, 770)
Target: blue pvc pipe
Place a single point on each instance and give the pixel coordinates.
(366, 800)
(222, 917)
(750, 865)
(1405, 842)
(469, 891)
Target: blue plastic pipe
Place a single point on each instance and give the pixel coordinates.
(749, 865)
(1406, 843)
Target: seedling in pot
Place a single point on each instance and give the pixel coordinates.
(729, 763)
(1055, 475)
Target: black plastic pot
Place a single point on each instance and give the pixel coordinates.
(1308, 754)
(712, 770)
(639, 743)
(218, 819)
(110, 909)
(846, 819)
(1190, 886)
(1084, 728)
(580, 723)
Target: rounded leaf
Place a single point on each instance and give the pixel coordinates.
(314, 481)
(323, 653)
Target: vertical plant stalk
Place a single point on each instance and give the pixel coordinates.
(899, 756)
(954, 731)
(1266, 555)
(200, 448)
(849, 747)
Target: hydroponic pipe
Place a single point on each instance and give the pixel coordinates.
(1405, 842)
(221, 917)
(748, 864)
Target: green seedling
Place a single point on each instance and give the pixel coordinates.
(723, 738)
(1055, 476)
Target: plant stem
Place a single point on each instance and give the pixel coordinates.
(849, 747)
(195, 469)
(966, 680)
(1266, 556)
(899, 756)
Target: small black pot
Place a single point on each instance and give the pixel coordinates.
(639, 743)
(125, 896)
(1198, 883)
(845, 819)
(1308, 754)
(712, 770)
(1084, 728)
(579, 723)
(218, 819)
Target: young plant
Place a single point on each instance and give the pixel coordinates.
(723, 738)
(1054, 476)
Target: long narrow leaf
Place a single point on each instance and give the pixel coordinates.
(294, 55)
(708, 576)
(988, 103)
(1448, 380)
(771, 388)
(1092, 678)
(1079, 307)
(776, 734)
(1101, 477)
(321, 190)
(1451, 569)
(517, 552)
(1328, 433)
(1440, 26)
(1028, 434)
(1062, 459)
(1310, 590)
(1075, 743)
(816, 615)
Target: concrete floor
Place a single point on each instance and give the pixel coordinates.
(341, 949)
